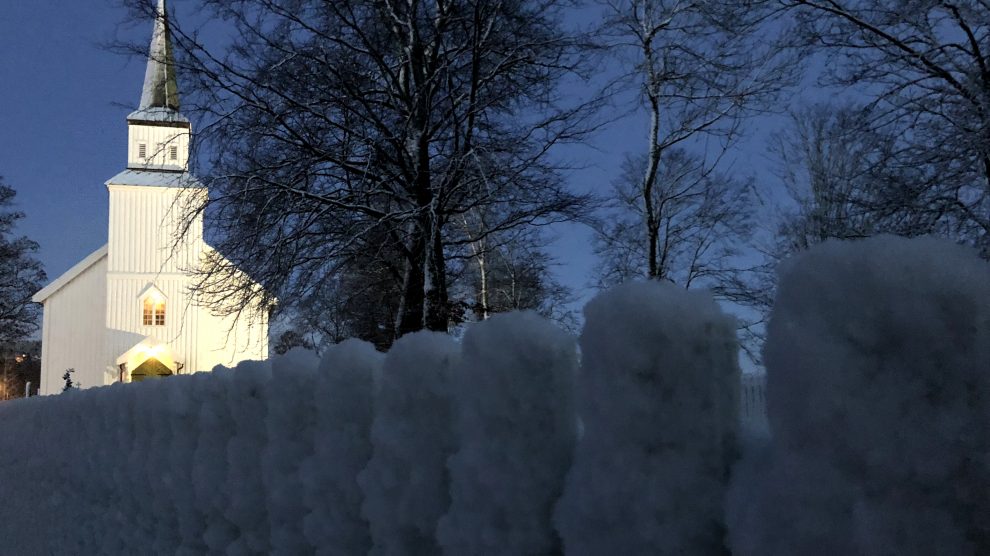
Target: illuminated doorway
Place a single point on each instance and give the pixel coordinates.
(150, 369)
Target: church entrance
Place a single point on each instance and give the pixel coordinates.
(150, 369)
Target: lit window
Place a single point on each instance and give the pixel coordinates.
(173, 152)
(154, 311)
(142, 151)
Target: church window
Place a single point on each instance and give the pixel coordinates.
(173, 152)
(142, 150)
(154, 311)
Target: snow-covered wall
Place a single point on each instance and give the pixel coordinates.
(878, 384)
(508, 442)
(439, 446)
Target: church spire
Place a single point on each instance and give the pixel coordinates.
(161, 88)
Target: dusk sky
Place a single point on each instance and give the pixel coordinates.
(65, 96)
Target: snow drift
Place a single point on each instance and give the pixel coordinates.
(878, 385)
(659, 400)
(515, 428)
(503, 443)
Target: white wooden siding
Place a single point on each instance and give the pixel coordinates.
(96, 316)
(124, 315)
(73, 331)
(144, 222)
(226, 342)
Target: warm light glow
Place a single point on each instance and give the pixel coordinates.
(146, 352)
(154, 310)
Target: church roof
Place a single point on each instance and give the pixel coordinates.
(69, 275)
(161, 89)
(154, 178)
(157, 114)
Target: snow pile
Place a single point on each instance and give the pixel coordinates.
(341, 449)
(406, 484)
(210, 462)
(438, 446)
(659, 399)
(516, 430)
(878, 370)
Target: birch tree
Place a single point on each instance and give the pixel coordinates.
(699, 225)
(701, 69)
(832, 167)
(351, 129)
(510, 271)
(925, 66)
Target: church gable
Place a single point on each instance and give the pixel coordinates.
(69, 275)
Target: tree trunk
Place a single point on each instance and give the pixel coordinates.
(410, 312)
(649, 179)
(436, 311)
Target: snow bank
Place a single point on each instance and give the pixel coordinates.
(659, 399)
(516, 430)
(406, 485)
(879, 397)
(878, 385)
(342, 448)
(210, 462)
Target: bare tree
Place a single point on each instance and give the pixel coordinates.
(506, 271)
(698, 232)
(926, 66)
(836, 171)
(701, 69)
(21, 275)
(833, 167)
(348, 129)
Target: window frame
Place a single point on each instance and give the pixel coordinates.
(154, 311)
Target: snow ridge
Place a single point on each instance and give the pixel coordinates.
(878, 386)
(504, 443)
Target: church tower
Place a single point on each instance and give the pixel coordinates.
(152, 246)
(129, 311)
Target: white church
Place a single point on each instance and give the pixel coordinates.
(127, 312)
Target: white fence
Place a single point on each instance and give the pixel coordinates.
(753, 403)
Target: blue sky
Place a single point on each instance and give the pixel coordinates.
(63, 103)
(61, 133)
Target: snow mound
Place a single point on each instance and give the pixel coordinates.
(878, 385)
(406, 484)
(658, 396)
(516, 430)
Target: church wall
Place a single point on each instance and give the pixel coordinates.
(144, 222)
(227, 340)
(125, 315)
(73, 333)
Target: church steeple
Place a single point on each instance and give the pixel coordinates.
(161, 89)
(158, 134)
